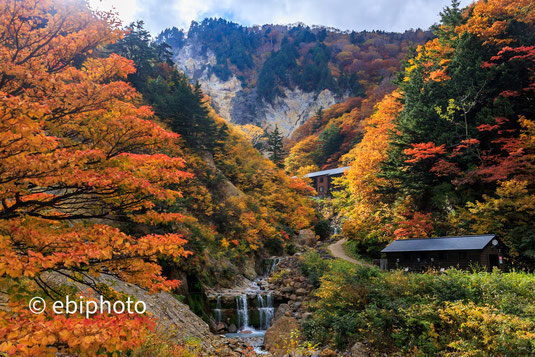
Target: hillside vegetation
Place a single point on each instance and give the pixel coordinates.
(94, 180)
(454, 313)
(271, 57)
(280, 75)
(451, 150)
(118, 176)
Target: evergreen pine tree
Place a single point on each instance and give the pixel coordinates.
(168, 91)
(275, 147)
(318, 119)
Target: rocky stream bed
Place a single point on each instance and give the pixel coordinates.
(246, 312)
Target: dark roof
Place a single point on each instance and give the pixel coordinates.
(330, 172)
(441, 243)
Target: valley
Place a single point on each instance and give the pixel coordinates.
(288, 190)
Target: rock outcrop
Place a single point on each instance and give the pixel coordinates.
(241, 105)
(171, 313)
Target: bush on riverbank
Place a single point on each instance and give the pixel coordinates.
(456, 313)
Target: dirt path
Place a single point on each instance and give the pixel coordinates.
(337, 250)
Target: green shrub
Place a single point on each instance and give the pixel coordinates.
(455, 313)
(323, 228)
(313, 266)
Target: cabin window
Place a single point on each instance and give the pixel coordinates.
(321, 188)
(321, 179)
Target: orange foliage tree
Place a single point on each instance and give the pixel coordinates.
(360, 201)
(454, 160)
(366, 157)
(76, 153)
(490, 20)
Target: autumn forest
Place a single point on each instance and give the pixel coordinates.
(128, 175)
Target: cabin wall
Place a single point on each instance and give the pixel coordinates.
(419, 261)
(485, 254)
(321, 185)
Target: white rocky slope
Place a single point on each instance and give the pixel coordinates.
(240, 105)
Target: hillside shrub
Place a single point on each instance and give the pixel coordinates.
(313, 267)
(454, 313)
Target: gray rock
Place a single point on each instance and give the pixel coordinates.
(307, 237)
(358, 350)
(306, 315)
(281, 311)
(232, 328)
(287, 289)
(301, 292)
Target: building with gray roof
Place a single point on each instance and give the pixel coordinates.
(418, 254)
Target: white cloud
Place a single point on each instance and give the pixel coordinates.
(389, 15)
(126, 9)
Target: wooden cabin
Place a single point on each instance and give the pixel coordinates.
(444, 252)
(322, 180)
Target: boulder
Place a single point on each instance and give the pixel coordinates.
(249, 269)
(220, 327)
(307, 237)
(277, 337)
(232, 328)
(301, 292)
(358, 350)
(281, 311)
(328, 353)
(287, 289)
(306, 315)
(288, 282)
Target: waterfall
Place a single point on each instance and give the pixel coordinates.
(260, 310)
(274, 263)
(243, 313)
(217, 310)
(265, 310)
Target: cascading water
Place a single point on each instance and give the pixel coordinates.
(265, 310)
(243, 312)
(253, 326)
(274, 262)
(217, 310)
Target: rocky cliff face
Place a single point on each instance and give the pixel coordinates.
(282, 74)
(291, 110)
(240, 105)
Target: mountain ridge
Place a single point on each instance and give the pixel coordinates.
(280, 75)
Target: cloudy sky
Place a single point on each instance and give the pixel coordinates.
(389, 15)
